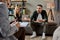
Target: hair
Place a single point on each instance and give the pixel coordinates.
(40, 5)
(15, 10)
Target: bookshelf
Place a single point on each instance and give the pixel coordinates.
(21, 3)
(18, 0)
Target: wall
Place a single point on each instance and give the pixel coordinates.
(31, 4)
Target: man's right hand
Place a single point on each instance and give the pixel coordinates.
(15, 24)
(39, 21)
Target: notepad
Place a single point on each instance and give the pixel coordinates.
(23, 24)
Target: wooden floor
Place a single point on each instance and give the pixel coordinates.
(38, 38)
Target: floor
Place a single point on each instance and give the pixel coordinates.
(38, 38)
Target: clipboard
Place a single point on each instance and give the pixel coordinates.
(23, 24)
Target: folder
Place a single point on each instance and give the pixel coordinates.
(23, 24)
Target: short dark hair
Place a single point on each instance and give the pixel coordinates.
(40, 5)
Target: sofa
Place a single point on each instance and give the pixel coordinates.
(49, 29)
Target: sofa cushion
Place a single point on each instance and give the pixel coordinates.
(52, 24)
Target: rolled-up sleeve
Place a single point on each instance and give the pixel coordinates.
(6, 28)
(11, 31)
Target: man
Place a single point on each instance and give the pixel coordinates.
(56, 35)
(6, 30)
(39, 16)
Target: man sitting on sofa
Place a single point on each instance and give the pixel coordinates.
(39, 16)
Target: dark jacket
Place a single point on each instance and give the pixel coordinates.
(35, 15)
(19, 18)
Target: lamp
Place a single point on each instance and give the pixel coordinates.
(51, 6)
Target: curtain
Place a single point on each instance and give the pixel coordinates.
(57, 5)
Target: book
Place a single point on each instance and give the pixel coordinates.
(23, 24)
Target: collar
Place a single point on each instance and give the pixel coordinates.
(1, 2)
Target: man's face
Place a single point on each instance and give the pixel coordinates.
(39, 9)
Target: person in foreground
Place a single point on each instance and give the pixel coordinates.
(56, 34)
(6, 29)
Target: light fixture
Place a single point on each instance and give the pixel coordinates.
(50, 5)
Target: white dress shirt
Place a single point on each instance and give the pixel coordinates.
(39, 17)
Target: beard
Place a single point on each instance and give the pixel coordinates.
(39, 11)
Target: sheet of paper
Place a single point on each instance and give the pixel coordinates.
(23, 24)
